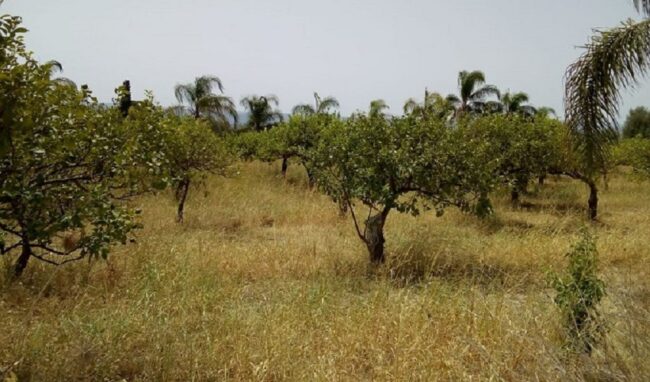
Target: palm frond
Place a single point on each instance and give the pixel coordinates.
(326, 104)
(468, 82)
(303, 109)
(494, 107)
(527, 110)
(204, 84)
(54, 66)
(519, 98)
(410, 105)
(613, 60)
(185, 93)
(453, 99)
(377, 107)
(643, 6)
(484, 92)
(271, 99)
(546, 111)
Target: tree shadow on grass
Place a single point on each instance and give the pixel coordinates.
(418, 265)
(559, 209)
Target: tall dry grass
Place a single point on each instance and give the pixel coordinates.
(264, 281)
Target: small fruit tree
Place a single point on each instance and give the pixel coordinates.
(66, 164)
(193, 150)
(406, 164)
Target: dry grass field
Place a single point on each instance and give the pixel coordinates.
(265, 281)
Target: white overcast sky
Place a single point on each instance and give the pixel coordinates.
(355, 50)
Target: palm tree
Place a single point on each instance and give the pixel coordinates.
(321, 106)
(613, 60)
(434, 104)
(55, 68)
(472, 92)
(377, 108)
(516, 103)
(261, 112)
(203, 103)
(545, 112)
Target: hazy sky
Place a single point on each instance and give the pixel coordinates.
(356, 50)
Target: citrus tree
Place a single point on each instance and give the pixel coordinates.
(521, 147)
(634, 152)
(293, 139)
(194, 151)
(406, 164)
(66, 164)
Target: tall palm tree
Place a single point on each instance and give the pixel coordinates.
(613, 60)
(261, 112)
(377, 108)
(204, 103)
(473, 92)
(321, 106)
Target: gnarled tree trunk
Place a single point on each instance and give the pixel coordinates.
(181, 195)
(374, 236)
(285, 165)
(514, 196)
(520, 185)
(21, 263)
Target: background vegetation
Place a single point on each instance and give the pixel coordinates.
(260, 276)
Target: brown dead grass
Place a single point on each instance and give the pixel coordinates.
(265, 281)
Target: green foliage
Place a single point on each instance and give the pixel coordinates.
(407, 164)
(518, 147)
(473, 92)
(248, 145)
(433, 106)
(295, 138)
(613, 60)
(261, 113)
(321, 106)
(193, 149)
(637, 124)
(202, 102)
(579, 291)
(68, 162)
(634, 152)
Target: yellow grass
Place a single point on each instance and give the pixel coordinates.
(264, 281)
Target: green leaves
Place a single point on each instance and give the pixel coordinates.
(635, 153)
(69, 165)
(579, 291)
(402, 163)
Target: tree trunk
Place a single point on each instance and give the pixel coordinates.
(541, 180)
(343, 207)
(593, 200)
(374, 237)
(285, 165)
(21, 263)
(514, 196)
(311, 179)
(181, 193)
